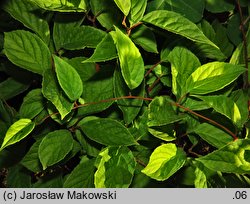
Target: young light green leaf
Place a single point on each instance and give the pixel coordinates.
(115, 169)
(31, 160)
(51, 90)
(107, 132)
(27, 50)
(137, 11)
(164, 162)
(62, 6)
(124, 6)
(104, 51)
(130, 58)
(213, 135)
(107, 13)
(17, 131)
(176, 23)
(192, 10)
(32, 104)
(68, 79)
(130, 108)
(145, 38)
(54, 147)
(30, 15)
(232, 158)
(82, 176)
(161, 112)
(166, 132)
(12, 87)
(212, 76)
(225, 106)
(183, 63)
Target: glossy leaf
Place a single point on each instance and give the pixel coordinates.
(107, 132)
(165, 133)
(124, 6)
(54, 147)
(104, 51)
(130, 58)
(183, 63)
(115, 169)
(129, 107)
(68, 79)
(161, 112)
(82, 176)
(62, 6)
(27, 50)
(192, 10)
(17, 132)
(28, 14)
(145, 38)
(225, 106)
(32, 104)
(212, 76)
(137, 10)
(108, 14)
(51, 90)
(213, 135)
(231, 158)
(175, 23)
(164, 162)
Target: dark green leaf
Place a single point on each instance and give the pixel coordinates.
(230, 158)
(54, 147)
(166, 132)
(18, 177)
(29, 14)
(27, 50)
(233, 31)
(164, 162)
(107, 132)
(115, 169)
(130, 58)
(215, 6)
(68, 79)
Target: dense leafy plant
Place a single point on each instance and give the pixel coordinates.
(124, 93)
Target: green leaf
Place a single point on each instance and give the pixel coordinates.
(200, 176)
(17, 131)
(82, 176)
(68, 79)
(51, 90)
(72, 36)
(161, 112)
(145, 38)
(107, 132)
(129, 107)
(12, 87)
(124, 6)
(130, 58)
(54, 147)
(31, 159)
(212, 76)
(115, 169)
(32, 104)
(176, 23)
(137, 11)
(62, 5)
(106, 12)
(104, 51)
(27, 50)
(233, 32)
(192, 10)
(231, 158)
(18, 177)
(213, 135)
(166, 132)
(225, 106)
(164, 162)
(183, 63)
(29, 14)
(215, 6)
